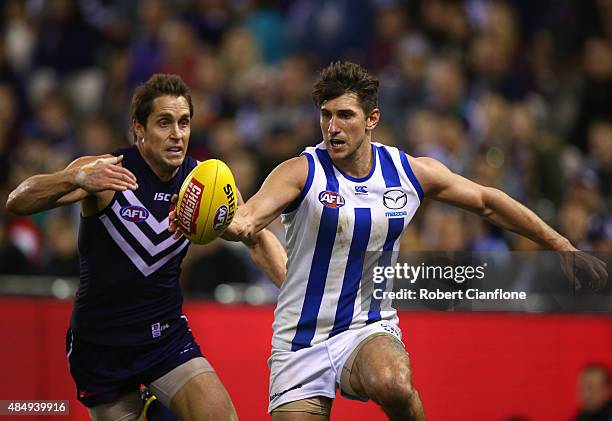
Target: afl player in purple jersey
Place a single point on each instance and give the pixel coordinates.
(127, 326)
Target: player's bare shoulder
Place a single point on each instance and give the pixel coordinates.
(290, 174)
(430, 172)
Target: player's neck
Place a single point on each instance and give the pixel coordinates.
(359, 164)
(164, 173)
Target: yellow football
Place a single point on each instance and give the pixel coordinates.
(207, 201)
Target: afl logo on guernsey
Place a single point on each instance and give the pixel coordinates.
(134, 213)
(331, 199)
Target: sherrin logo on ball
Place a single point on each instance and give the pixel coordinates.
(207, 201)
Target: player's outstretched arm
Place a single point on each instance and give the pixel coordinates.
(269, 255)
(82, 177)
(267, 252)
(282, 186)
(439, 183)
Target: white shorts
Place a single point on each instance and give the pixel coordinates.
(317, 371)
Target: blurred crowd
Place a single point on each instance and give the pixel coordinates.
(512, 94)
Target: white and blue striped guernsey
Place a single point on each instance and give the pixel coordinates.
(330, 226)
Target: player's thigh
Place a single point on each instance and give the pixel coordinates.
(298, 416)
(317, 408)
(379, 365)
(126, 408)
(203, 397)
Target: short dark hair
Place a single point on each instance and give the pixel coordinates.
(159, 84)
(598, 367)
(342, 77)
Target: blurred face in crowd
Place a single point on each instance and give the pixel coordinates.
(8, 106)
(600, 142)
(597, 58)
(163, 142)
(345, 127)
(594, 389)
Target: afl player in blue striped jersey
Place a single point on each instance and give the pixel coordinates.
(338, 199)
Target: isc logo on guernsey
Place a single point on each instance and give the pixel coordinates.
(331, 199)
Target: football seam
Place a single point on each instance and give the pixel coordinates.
(212, 196)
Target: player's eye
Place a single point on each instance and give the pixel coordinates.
(163, 123)
(184, 122)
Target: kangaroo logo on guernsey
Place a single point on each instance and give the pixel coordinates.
(361, 190)
(331, 199)
(134, 213)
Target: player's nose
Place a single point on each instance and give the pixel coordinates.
(176, 131)
(333, 126)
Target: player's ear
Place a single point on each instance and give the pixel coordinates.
(373, 118)
(138, 129)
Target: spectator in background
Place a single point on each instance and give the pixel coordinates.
(221, 263)
(595, 101)
(600, 155)
(9, 128)
(269, 28)
(514, 94)
(145, 50)
(96, 136)
(179, 50)
(65, 54)
(211, 19)
(330, 30)
(445, 87)
(22, 240)
(62, 33)
(62, 258)
(594, 394)
(53, 122)
(12, 259)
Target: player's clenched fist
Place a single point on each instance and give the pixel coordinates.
(105, 174)
(173, 225)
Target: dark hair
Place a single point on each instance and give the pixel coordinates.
(159, 84)
(598, 367)
(343, 77)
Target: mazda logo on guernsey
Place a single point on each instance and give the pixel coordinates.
(395, 199)
(331, 199)
(134, 213)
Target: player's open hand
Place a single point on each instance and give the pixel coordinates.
(578, 262)
(105, 174)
